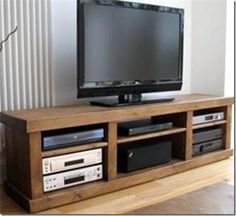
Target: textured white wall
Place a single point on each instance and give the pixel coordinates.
(208, 46)
(25, 79)
(64, 48)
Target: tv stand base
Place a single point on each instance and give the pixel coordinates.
(119, 102)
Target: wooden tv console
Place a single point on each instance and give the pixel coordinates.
(24, 146)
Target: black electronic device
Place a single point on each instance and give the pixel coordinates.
(145, 153)
(142, 126)
(206, 134)
(146, 57)
(70, 137)
(212, 145)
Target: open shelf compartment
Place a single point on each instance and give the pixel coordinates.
(178, 142)
(124, 139)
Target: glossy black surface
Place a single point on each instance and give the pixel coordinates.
(116, 103)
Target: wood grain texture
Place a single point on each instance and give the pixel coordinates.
(18, 160)
(132, 198)
(189, 135)
(124, 139)
(214, 199)
(227, 129)
(35, 165)
(24, 153)
(83, 147)
(62, 117)
(23, 160)
(13, 121)
(70, 195)
(110, 156)
(210, 124)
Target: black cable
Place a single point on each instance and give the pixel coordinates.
(2, 42)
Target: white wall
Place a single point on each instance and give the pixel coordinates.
(229, 57)
(64, 70)
(208, 46)
(64, 48)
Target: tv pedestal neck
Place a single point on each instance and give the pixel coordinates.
(128, 100)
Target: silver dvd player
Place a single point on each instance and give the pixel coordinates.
(70, 178)
(200, 119)
(70, 139)
(71, 161)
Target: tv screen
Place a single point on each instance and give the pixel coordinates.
(126, 47)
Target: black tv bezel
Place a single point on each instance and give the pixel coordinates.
(85, 92)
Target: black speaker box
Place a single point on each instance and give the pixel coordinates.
(145, 153)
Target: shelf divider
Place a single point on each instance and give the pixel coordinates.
(72, 149)
(189, 136)
(124, 139)
(210, 124)
(110, 154)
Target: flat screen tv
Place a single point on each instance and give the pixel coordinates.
(126, 49)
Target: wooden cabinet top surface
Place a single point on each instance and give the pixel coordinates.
(31, 120)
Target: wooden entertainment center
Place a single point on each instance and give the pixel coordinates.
(24, 153)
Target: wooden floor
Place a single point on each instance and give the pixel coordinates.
(214, 199)
(137, 197)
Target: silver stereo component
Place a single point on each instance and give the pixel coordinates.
(199, 119)
(74, 177)
(71, 161)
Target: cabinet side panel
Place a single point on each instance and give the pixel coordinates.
(17, 160)
(227, 129)
(36, 176)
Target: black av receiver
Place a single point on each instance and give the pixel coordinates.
(208, 146)
(207, 140)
